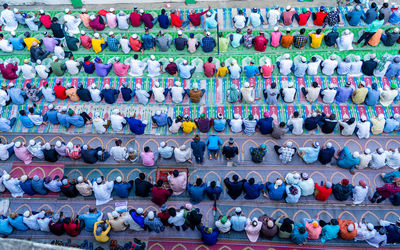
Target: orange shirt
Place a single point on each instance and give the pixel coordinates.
(286, 40)
(344, 234)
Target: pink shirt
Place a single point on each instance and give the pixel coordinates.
(209, 69)
(313, 232)
(85, 20)
(267, 70)
(275, 38)
(147, 158)
(23, 154)
(86, 41)
(178, 184)
(120, 69)
(111, 20)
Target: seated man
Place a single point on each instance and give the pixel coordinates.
(195, 94)
(347, 160)
(78, 120)
(309, 154)
(285, 152)
(203, 123)
(257, 154)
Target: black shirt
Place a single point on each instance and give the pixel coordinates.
(57, 30)
(194, 218)
(230, 152)
(69, 190)
(180, 43)
(84, 94)
(71, 43)
(50, 155)
(368, 67)
(89, 156)
(328, 126)
(142, 188)
(234, 188)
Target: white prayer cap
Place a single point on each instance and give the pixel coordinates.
(13, 33)
(329, 145)
(290, 84)
(115, 111)
(85, 147)
(18, 144)
(381, 117)
(278, 183)
(41, 11)
(145, 122)
(54, 58)
(152, 57)
(332, 57)
(183, 147)
(16, 10)
(276, 28)
(99, 180)
(41, 215)
(96, 35)
(208, 34)
(171, 60)
(26, 213)
(236, 116)
(289, 144)
(396, 30)
(314, 114)
(24, 178)
(158, 112)
(303, 59)
(185, 62)
(134, 36)
(157, 84)
(180, 32)
(70, 145)
(64, 108)
(58, 144)
(6, 177)
(83, 32)
(118, 179)
(345, 116)
(350, 227)
(92, 17)
(346, 32)
(47, 146)
(139, 210)
(138, 86)
(381, 150)
(38, 61)
(356, 154)
(286, 56)
(112, 9)
(363, 118)
(64, 181)
(367, 151)
(238, 210)
(141, 11)
(150, 215)
(67, 10)
(288, 29)
(370, 226)
(68, 85)
(246, 84)
(296, 176)
(107, 86)
(80, 179)
(178, 83)
(396, 116)
(110, 33)
(162, 144)
(83, 10)
(32, 142)
(331, 86)
(114, 214)
(208, 13)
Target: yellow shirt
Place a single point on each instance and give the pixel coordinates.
(188, 127)
(359, 95)
(96, 44)
(316, 40)
(222, 71)
(377, 126)
(103, 237)
(29, 40)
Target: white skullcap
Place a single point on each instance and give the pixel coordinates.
(80, 179)
(178, 83)
(238, 210)
(64, 108)
(138, 86)
(83, 32)
(68, 85)
(16, 10)
(157, 84)
(314, 114)
(139, 210)
(92, 17)
(145, 122)
(185, 62)
(236, 116)
(110, 33)
(303, 59)
(67, 10)
(346, 116)
(64, 181)
(114, 214)
(83, 10)
(346, 32)
(99, 180)
(329, 145)
(58, 144)
(296, 176)
(289, 144)
(350, 228)
(381, 117)
(278, 182)
(24, 178)
(363, 118)
(47, 146)
(381, 150)
(54, 58)
(356, 154)
(183, 147)
(208, 13)
(288, 7)
(18, 144)
(32, 142)
(179, 32)
(276, 28)
(370, 226)
(208, 34)
(118, 179)
(162, 144)
(396, 30)
(246, 84)
(152, 57)
(171, 60)
(150, 215)
(38, 61)
(112, 9)
(286, 56)
(158, 112)
(332, 57)
(134, 36)
(41, 11)
(96, 35)
(85, 147)
(367, 151)
(13, 33)
(288, 29)
(141, 11)
(107, 86)
(11, 85)
(26, 213)
(290, 84)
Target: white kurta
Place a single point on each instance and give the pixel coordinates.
(72, 24)
(345, 42)
(13, 186)
(8, 19)
(359, 194)
(153, 67)
(136, 67)
(28, 71)
(119, 153)
(103, 192)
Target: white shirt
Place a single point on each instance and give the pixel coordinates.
(4, 97)
(59, 52)
(49, 94)
(329, 95)
(53, 186)
(182, 156)
(123, 21)
(364, 161)
(355, 68)
(363, 233)
(312, 94)
(12, 185)
(223, 228)
(31, 221)
(5, 46)
(36, 119)
(285, 67)
(131, 223)
(359, 194)
(177, 94)
(124, 45)
(347, 129)
(236, 125)
(116, 122)
(307, 187)
(136, 67)
(153, 67)
(7, 18)
(345, 42)
(289, 94)
(72, 24)
(387, 96)
(393, 159)
(377, 240)
(378, 160)
(158, 93)
(28, 71)
(103, 192)
(382, 73)
(72, 67)
(142, 96)
(329, 67)
(240, 21)
(36, 150)
(247, 95)
(119, 153)
(44, 224)
(273, 17)
(31, 24)
(297, 125)
(42, 71)
(178, 220)
(98, 124)
(312, 68)
(363, 129)
(4, 155)
(95, 94)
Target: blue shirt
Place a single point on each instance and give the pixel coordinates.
(18, 223)
(238, 223)
(210, 22)
(275, 194)
(296, 236)
(392, 71)
(62, 118)
(139, 219)
(329, 232)
(90, 219)
(355, 17)
(184, 70)
(213, 142)
(122, 189)
(311, 154)
(38, 187)
(163, 20)
(394, 18)
(372, 98)
(196, 193)
(5, 227)
(127, 94)
(390, 125)
(209, 239)
(5, 125)
(17, 43)
(16, 95)
(300, 69)
(51, 116)
(252, 191)
(148, 41)
(370, 16)
(265, 125)
(136, 126)
(166, 152)
(207, 44)
(110, 95)
(211, 192)
(219, 125)
(27, 187)
(89, 68)
(112, 43)
(160, 120)
(325, 155)
(343, 94)
(76, 120)
(251, 70)
(26, 122)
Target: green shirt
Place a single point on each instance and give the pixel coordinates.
(374, 26)
(58, 68)
(223, 44)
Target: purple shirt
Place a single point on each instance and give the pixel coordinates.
(102, 69)
(50, 43)
(147, 158)
(147, 20)
(343, 94)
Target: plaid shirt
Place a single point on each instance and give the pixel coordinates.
(388, 190)
(300, 41)
(112, 43)
(332, 18)
(286, 154)
(207, 43)
(257, 155)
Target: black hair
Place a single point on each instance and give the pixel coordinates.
(315, 84)
(199, 181)
(302, 31)
(296, 114)
(163, 11)
(251, 181)
(235, 177)
(282, 124)
(146, 149)
(22, 112)
(135, 56)
(210, 59)
(213, 184)
(160, 183)
(172, 211)
(318, 31)
(142, 176)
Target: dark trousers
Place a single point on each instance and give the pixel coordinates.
(199, 157)
(276, 148)
(303, 90)
(85, 117)
(184, 227)
(365, 36)
(376, 196)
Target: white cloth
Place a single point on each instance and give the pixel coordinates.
(239, 21)
(124, 45)
(72, 24)
(98, 124)
(182, 156)
(7, 18)
(59, 52)
(36, 150)
(158, 93)
(364, 128)
(4, 155)
(174, 128)
(28, 71)
(247, 95)
(49, 94)
(142, 96)
(153, 67)
(307, 187)
(347, 129)
(53, 186)
(44, 224)
(329, 95)
(223, 228)
(312, 94)
(359, 194)
(378, 160)
(387, 96)
(363, 233)
(329, 67)
(32, 221)
(128, 221)
(103, 192)
(273, 17)
(31, 23)
(95, 94)
(377, 240)
(236, 125)
(4, 97)
(12, 185)
(136, 67)
(382, 73)
(42, 71)
(123, 21)
(297, 125)
(5, 45)
(289, 94)
(364, 161)
(117, 122)
(119, 153)
(355, 68)
(312, 68)
(345, 42)
(72, 67)
(285, 67)
(393, 159)
(177, 94)
(178, 220)
(36, 119)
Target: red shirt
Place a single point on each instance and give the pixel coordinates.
(96, 25)
(175, 20)
(86, 41)
(195, 18)
(9, 71)
(135, 44)
(46, 21)
(303, 18)
(60, 92)
(164, 216)
(388, 190)
(172, 68)
(160, 195)
(72, 229)
(148, 20)
(136, 19)
(209, 69)
(323, 192)
(320, 17)
(260, 43)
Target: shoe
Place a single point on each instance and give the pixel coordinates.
(137, 241)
